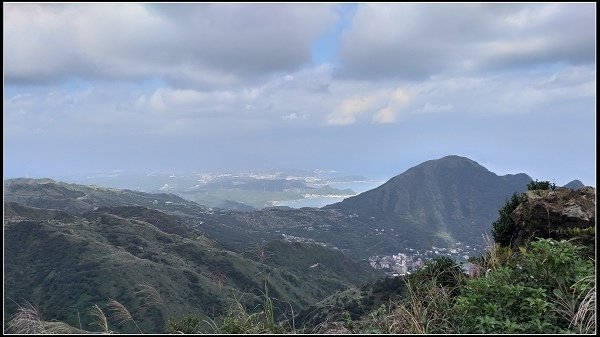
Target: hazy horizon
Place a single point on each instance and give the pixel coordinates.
(80, 177)
(367, 89)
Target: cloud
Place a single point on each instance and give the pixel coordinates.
(348, 110)
(398, 99)
(416, 41)
(429, 108)
(118, 108)
(382, 104)
(294, 116)
(188, 45)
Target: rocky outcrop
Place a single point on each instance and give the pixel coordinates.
(561, 213)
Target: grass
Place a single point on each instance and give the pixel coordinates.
(26, 321)
(120, 314)
(101, 320)
(426, 311)
(263, 320)
(584, 319)
(149, 295)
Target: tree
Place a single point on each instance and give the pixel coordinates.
(505, 229)
(540, 185)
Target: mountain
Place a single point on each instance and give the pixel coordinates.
(234, 205)
(234, 230)
(65, 263)
(78, 199)
(453, 198)
(574, 185)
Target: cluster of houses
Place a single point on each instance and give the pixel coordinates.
(412, 259)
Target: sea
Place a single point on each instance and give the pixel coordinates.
(320, 201)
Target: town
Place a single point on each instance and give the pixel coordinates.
(410, 259)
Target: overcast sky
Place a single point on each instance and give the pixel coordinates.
(370, 89)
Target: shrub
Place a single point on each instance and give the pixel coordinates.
(443, 272)
(505, 229)
(540, 291)
(189, 324)
(540, 185)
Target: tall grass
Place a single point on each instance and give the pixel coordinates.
(584, 319)
(149, 296)
(425, 311)
(262, 319)
(101, 320)
(120, 314)
(26, 321)
(496, 255)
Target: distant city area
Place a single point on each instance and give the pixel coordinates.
(411, 259)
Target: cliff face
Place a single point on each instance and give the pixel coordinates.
(561, 214)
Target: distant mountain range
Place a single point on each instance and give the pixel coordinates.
(439, 202)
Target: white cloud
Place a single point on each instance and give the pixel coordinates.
(385, 116)
(416, 41)
(191, 45)
(398, 99)
(429, 108)
(382, 103)
(294, 116)
(347, 111)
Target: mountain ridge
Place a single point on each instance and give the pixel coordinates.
(453, 194)
(438, 202)
(63, 263)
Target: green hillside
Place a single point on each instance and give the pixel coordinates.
(65, 264)
(452, 199)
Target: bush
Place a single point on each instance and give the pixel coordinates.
(539, 293)
(443, 272)
(189, 324)
(505, 229)
(540, 185)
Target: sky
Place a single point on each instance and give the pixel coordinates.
(370, 89)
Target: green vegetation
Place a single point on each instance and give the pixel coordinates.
(155, 266)
(540, 185)
(539, 291)
(505, 229)
(547, 287)
(236, 320)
